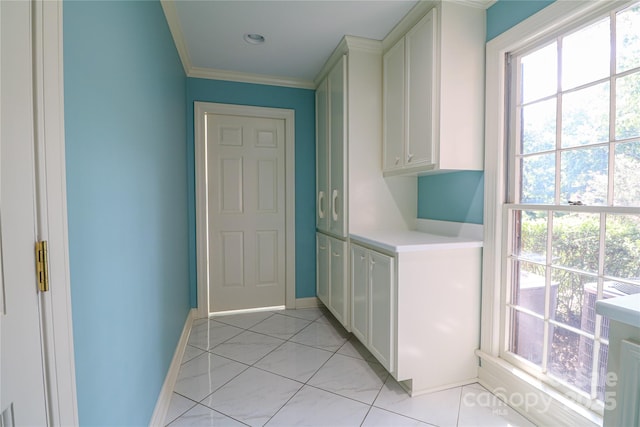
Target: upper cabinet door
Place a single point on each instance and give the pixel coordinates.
(338, 148)
(420, 61)
(394, 107)
(442, 111)
(323, 213)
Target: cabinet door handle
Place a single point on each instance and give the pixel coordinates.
(409, 157)
(322, 248)
(397, 160)
(336, 254)
(362, 257)
(321, 204)
(334, 205)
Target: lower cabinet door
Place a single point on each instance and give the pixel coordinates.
(322, 267)
(360, 293)
(382, 311)
(338, 292)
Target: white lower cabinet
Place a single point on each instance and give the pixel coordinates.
(372, 287)
(418, 312)
(331, 276)
(360, 293)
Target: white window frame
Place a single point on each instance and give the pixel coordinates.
(529, 395)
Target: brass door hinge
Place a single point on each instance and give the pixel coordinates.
(42, 266)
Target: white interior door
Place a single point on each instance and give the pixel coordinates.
(246, 182)
(22, 393)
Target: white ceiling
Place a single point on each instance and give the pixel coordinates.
(300, 35)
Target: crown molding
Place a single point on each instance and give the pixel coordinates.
(419, 11)
(348, 43)
(407, 22)
(236, 76)
(171, 13)
(363, 44)
(480, 4)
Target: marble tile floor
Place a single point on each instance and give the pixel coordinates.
(301, 368)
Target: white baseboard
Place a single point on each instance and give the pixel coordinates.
(164, 399)
(307, 302)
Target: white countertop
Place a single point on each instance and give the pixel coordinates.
(625, 309)
(398, 241)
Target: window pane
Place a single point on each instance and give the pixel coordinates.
(583, 175)
(527, 336)
(529, 286)
(585, 55)
(571, 357)
(570, 300)
(538, 179)
(626, 190)
(540, 73)
(628, 39)
(622, 247)
(585, 116)
(531, 235)
(628, 106)
(575, 241)
(539, 127)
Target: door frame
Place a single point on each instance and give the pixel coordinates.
(202, 203)
(51, 199)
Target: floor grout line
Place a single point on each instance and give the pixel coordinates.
(323, 319)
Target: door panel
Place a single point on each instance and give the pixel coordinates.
(337, 151)
(267, 256)
(246, 181)
(359, 292)
(322, 158)
(338, 296)
(322, 267)
(382, 302)
(394, 107)
(231, 185)
(420, 80)
(267, 186)
(22, 389)
(233, 258)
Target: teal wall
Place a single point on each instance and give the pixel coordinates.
(303, 102)
(504, 14)
(131, 194)
(455, 196)
(126, 159)
(459, 196)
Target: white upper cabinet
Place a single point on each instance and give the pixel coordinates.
(393, 92)
(433, 88)
(322, 157)
(331, 152)
(419, 48)
(351, 194)
(337, 150)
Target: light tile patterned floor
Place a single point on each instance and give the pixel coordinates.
(301, 368)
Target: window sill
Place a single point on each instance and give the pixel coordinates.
(533, 399)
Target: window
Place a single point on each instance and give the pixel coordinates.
(573, 199)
